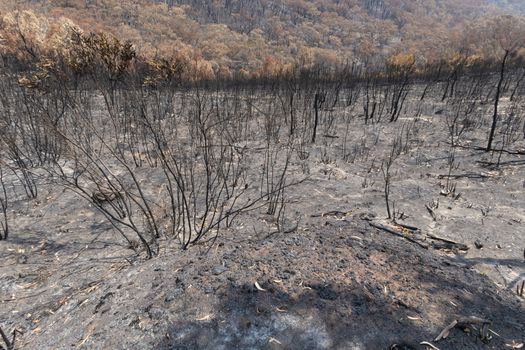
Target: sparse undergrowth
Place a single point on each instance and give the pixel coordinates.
(228, 166)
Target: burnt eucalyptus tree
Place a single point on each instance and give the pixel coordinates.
(507, 36)
(399, 70)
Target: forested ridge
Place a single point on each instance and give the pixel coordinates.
(224, 37)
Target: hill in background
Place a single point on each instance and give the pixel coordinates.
(229, 35)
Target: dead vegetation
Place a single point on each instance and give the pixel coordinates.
(172, 166)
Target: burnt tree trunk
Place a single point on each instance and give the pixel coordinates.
(496, 100)
(319, 100)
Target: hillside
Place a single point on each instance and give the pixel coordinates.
(313, 265)
(147, 203)
(234, 34)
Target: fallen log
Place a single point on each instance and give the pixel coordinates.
(335, 213)
(394, 232)
(467, 175)
(464, 323)
(452, 244)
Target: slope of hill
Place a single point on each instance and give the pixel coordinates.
(235, 34)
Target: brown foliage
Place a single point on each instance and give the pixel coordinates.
(225, 36)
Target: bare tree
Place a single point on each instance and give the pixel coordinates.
(4, 224)
(508, 35)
